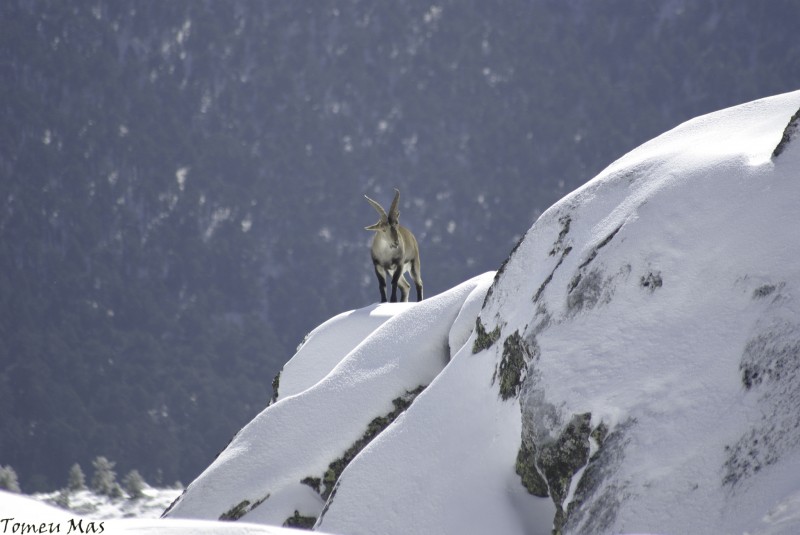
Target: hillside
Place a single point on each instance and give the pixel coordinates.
(632, 367)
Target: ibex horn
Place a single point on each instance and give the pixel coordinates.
(377, 207)
(394, 213)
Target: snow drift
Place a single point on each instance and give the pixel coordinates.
(282, 467)
(21, 514)
(634, 366)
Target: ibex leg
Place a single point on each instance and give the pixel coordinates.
(381, 274)
(398, 272)
(415, 274)
(405, 288)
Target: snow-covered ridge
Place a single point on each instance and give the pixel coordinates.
(656, 309)
(333, 397)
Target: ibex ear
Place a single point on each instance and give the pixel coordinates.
(376, 226)
(394, 212)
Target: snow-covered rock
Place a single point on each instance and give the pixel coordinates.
(285, 463)
(657, 314)
(325, 346)
(634, 366)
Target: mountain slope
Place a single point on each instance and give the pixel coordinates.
(289, 457)
(634, 367)
(657, 312)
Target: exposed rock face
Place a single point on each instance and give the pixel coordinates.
(789, 134)
(770, 368)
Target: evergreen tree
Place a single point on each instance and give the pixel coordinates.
(76, 481)
(8, 479)
(134, 484)
(104, 478)
(62, 499)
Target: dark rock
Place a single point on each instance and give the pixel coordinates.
(374, 428)
(593, 254)
(789, 133)
(313, 482)
(770, 368)
(764, 291)
(299, 521)
(558, 246)
(526, 468)
(652, 281)
(594, 489)
(770, 356)
(513, 365)
(484, 340)
(549, 278)
(560, 461)
(276, 382)
(242, 508)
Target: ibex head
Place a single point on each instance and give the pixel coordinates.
(387, 223)
(394, 251)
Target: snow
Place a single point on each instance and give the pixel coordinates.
(302, 434)
(324, 347)
(23, 514)
(87, 503)
(706, 210)
(445, 463)
(659, 303)
(20, 507)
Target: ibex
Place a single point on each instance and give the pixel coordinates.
(394, 251)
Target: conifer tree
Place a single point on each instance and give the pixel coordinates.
(104, 479)
(76, 480)
(62, 499)
(134, 484)
(8, 479)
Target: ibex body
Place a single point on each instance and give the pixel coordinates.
(394, 251)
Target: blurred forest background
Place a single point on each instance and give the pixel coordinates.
(181, 182)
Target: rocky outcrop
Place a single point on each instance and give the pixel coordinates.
(789, 133)
(663, 306)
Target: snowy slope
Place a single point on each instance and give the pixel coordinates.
(278, 463)
(657, 308)
(325, 346)
(21, 514)
(446, 466)
(634, 367)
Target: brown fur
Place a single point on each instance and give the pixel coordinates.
(394, 251)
